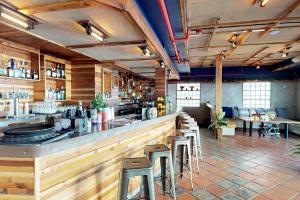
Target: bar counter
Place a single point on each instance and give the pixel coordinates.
(85, 166)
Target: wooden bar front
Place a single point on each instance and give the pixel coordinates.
(89, 171)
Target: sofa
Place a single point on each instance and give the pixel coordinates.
(232, 114)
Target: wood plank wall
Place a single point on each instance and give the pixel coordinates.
(86, 82)
(16, 178)
(92, 171)
(160, 82)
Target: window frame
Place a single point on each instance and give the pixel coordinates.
(257, 94)
(192, 97)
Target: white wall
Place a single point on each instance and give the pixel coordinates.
(283, 94)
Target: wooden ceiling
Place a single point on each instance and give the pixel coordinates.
(121, 21)
(211, 24)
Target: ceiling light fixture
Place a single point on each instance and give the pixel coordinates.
(94, 31)
(233, 40)
(162, 64)
(257, 67)
(274, 32)
(17, 18)
(146, 51)
(284, 54)
(262, 3)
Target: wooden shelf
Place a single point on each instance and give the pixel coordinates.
(61, 100)
(22, 79)
(57, 79)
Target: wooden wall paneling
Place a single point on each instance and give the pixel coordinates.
(68, 83)
(98, 79)
(39, 87)
(16, 178)
(107, 81)
(161, 86)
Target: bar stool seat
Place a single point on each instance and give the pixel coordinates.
(163, 152)
(180, 142)
(132, 167)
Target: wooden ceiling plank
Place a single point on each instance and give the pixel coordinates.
(242, 23)
(285, 67)
(283, 16)
(108, 44)
(216, 21)
(260, 60)
(255, 54)
(68, 5)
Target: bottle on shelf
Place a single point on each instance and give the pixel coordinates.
(10, 68)
(58, 71)
(62, 93)
(49, 71)
(54, 74)
(27, 71)
(62, 71)
(35, 75)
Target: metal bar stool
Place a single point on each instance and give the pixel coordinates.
(163, 152)
(194, 127)
(192, 135)
(132, 167)
(180, 142)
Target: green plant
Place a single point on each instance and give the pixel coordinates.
(98, 103)
(219, 121)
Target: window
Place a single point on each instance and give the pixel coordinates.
(188, 95)
(257, 95)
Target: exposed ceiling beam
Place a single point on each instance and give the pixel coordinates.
(216, 21)
(285, 67)
(108, 44)
(283, 16)
(243, 23)
(133, 59)
(248, 44)
(260, 60)
(240, 40)
(67, 5)
(255, 54)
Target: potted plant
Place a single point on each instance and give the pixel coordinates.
(96, 108)
(218, 122)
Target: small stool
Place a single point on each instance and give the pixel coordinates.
(136, 167)
(162, 151)
(181, 142)
(192, 135)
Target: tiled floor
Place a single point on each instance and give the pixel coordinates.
(242, 167)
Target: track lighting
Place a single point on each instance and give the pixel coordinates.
(146, 51)
(17, 18)
(284, 54)
(94, 31)
(162, 64)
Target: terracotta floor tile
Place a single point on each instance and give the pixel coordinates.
(186, 197)
(242, 167)
(216, 190)
(280, 192)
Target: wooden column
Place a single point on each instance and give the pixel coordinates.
(218, 94)
(161, 86)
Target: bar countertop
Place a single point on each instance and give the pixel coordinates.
(100, 132)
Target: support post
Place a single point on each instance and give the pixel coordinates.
(218, 90)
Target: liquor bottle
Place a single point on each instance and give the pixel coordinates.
(34, 75)
(58, 96)
(63, 71)
(27, 71)
(62, 93)
(54, 74)
(48, 72)
(58, 71)
(10, 66)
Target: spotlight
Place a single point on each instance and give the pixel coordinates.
(257, 67)
(233, 44)
(147, 52)
(17, 18)
(263, 3)
(284, 54)
(162, 64)
(92, 30)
